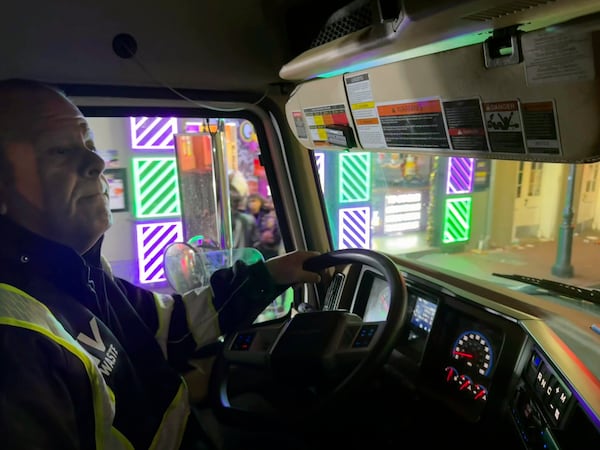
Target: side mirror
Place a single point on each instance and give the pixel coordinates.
(188, 268)
(183, 268)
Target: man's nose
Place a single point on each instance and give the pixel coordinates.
(93, 164)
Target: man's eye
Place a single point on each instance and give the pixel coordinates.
(59, 151)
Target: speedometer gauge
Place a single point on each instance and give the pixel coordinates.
(474, 351)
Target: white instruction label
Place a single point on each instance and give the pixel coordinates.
(557, 57)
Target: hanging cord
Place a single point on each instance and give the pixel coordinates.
(157, 80)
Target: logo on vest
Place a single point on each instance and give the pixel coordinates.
(108, 362)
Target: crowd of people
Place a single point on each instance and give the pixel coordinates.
(253, 220)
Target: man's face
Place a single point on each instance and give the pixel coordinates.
(59, 190)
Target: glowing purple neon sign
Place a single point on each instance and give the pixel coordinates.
(152, 240)
(153, 133)
(460, 176)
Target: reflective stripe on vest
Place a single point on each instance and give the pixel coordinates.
(19, 309)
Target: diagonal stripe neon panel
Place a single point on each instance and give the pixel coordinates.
(460, 176)
(457, 220)
(354, 227)
(155, 187)
(153, 133)
(355, 177)
(152, 240)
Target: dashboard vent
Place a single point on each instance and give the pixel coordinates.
(332, 298)
(506, 9)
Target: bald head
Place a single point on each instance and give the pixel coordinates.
(22, 101)
(22, 106)
(51, 179)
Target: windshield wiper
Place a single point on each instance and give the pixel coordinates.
(568, 290)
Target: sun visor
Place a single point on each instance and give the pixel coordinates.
(545, 107)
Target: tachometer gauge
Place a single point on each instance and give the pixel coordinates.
(474, 351)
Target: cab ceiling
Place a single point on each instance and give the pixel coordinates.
(228, 45)
(234, 45)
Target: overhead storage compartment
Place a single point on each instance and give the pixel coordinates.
(546, 107)
(399, 30)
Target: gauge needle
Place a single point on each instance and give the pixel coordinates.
(463, 354)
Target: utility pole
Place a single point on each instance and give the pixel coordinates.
(563, 267)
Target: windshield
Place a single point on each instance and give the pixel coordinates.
(475, 217)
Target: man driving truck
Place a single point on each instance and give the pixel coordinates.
(90, 360)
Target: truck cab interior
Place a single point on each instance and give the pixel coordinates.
(442, 156)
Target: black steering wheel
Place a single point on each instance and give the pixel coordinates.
(326, 355)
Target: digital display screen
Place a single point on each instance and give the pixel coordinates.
(423, 314)
(378, 303)
(422, 308)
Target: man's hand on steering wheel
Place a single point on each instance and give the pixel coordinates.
(288, 269)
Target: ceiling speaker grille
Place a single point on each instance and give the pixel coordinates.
(345, 21)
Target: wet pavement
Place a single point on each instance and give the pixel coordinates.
(533, 259)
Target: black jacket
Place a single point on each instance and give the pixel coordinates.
(90, 361)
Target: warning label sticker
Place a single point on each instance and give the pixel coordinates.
(414, 124)
(504, 126)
